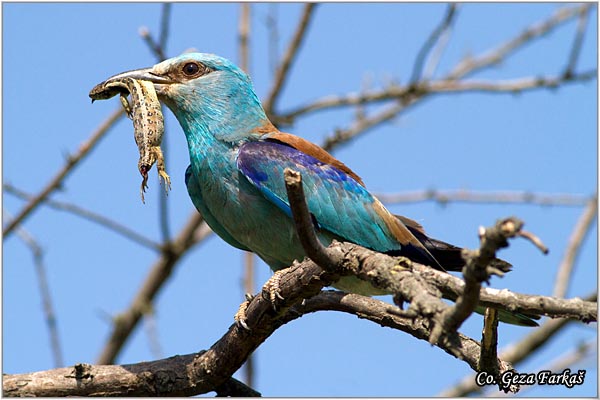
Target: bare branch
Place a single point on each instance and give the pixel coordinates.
(202, 372)
(271, 24)
(444, 197)
(452, 287)
(243, 36)
(513, 86)
(159, 48)
(495, 56)
(170, 376)
(288, 58)
(431, 41)
(40, 271)
(142, 302)
(477, 270)
(379, 312)
(363, 125)
(417, 91)
(568, 359)
(577, 42)
(304, 224)
(72, 161)
(582, 228)
(515, 353)
(89, 216)
(152, 334)
(164, 26)
(488, 361)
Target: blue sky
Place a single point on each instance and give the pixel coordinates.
(542, 141)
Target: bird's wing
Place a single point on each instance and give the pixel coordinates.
(338, 202)
(311, 149)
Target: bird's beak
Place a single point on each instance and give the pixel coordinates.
(145, 74)
(101, 92)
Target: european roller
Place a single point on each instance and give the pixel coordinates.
(235, 178)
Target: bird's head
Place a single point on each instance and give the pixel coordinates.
(208, 94)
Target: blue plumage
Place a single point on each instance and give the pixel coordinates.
(338, 203)
(236, 180)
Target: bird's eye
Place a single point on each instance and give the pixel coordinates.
(191, 69)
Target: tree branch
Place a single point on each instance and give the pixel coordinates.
(203, 372)
(72, 160)
(288, 58)
(125, 322)
(452, 287)
(582, 228)
(89, 216)
(243, 37)
(431, 41)
(48, 308)
(477, 269)
(577, 42)
(515, 353)
(444, 197)
(415, 92)
(495, 56)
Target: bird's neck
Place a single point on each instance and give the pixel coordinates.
(231, 112)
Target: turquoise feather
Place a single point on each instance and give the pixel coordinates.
(235, 177)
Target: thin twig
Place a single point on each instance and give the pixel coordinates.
(89, 216)
(363, 125)
(578, 41)
(271, 24)
(72, 161)
(431, 41)
(511, 86)
(411, 95)
(304, 224)
(568, 359)
(441, 86)
(580, 231)
(244, 37)
(536, 241)
(495, 56)
(152, 44)
(281, 74)
(152, 335)
(50, 315)
(444, 197)
(164, 26)
(477, 270)
(515, 353)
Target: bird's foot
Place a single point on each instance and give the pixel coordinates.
(240, 316)
(270, 290)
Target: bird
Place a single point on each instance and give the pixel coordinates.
(236, 175)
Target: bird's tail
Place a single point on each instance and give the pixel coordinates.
(446, 254)
(450, 258)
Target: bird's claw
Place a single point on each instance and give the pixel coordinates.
(270, 289)
(240, 316)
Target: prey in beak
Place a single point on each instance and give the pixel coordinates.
(146, 114)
